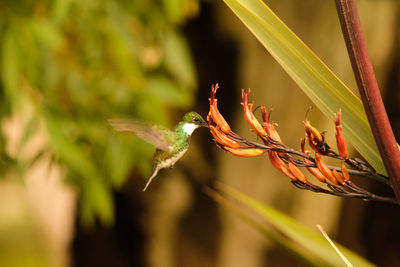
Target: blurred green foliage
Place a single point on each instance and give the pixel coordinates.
(73, 64)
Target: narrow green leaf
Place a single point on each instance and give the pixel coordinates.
(311, 240)
(272, 235)
(316, 80)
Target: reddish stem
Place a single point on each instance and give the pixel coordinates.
(369, 90)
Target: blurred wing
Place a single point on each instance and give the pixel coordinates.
(157, 135)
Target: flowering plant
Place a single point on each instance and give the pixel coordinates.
(289, 161)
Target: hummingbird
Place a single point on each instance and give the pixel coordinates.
(170, 145)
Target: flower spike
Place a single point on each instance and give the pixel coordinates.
(286, 160)
(214, 114)
(340, 140)
(249, 116)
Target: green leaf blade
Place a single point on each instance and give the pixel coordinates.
(312, 241)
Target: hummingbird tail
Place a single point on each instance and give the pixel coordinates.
(153, 174)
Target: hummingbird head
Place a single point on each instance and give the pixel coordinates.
(192, 121)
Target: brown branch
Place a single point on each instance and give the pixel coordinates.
(280, 147)
(369, 90)
(336, 191)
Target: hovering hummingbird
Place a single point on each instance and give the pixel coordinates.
(171, 145)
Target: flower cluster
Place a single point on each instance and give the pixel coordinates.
(289, 161)
(222, 133)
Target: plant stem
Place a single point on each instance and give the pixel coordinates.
(369, 90)
(279, 147)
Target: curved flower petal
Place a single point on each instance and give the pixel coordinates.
(324, 169)
(245, 152)
(278, 163)
(249, 116)
(222, 138)
(340, 139)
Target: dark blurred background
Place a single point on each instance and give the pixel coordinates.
(70, 191)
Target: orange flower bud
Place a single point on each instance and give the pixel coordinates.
(312, 170)
(338, 177)
(249, 116)
(214, 112)
(340, 140)
(345, 173)
(310, 137)
(264, 114)
(269, 127)
(311, 130)
(297, 173)
(222, 138)
(311, 142)
(272, 132)
(209, 119)
(245, 152)
(278, 163)
(302, 145)
(316, 172)
(324, 169)
(219, 119)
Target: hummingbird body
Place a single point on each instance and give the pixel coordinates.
(171, 145)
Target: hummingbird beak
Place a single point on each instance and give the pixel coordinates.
(204, 124)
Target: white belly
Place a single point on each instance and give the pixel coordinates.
(171, 161)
